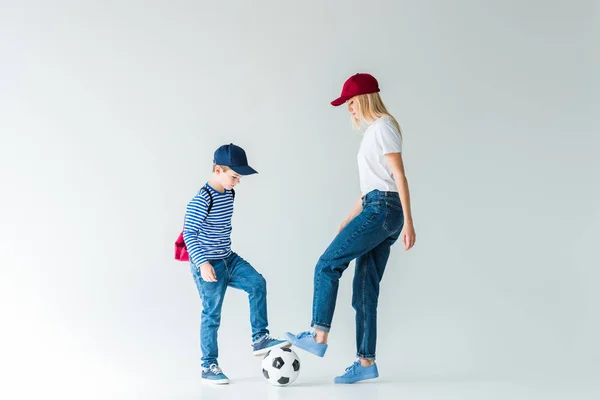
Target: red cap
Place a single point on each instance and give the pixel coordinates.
(355, 85)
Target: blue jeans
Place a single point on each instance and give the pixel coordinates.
(236, 272)
(366, 238)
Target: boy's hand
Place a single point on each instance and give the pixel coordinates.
(208, 272)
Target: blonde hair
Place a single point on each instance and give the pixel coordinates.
(370, 106)
(223, 167)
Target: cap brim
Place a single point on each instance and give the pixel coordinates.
(244, 170)
(339, 101)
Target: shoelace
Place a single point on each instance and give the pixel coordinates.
(305, 334)
(269, 338)
(214, 368)
(352, 367)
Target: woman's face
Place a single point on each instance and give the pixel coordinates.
(353, 107)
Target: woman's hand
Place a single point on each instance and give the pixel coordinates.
(408, 235)
(343, 224)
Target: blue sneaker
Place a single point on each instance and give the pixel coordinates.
(214, 375)
(306, 341)
(267, 343)
(356, 373)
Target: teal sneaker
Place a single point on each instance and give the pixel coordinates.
(266, 343)
(214, 375)
(356, 373)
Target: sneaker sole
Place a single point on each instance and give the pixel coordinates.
(264, 351)
(362, 378)
(216, 381)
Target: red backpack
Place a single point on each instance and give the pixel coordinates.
(181, 253)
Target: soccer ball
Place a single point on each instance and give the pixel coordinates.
(281, 366)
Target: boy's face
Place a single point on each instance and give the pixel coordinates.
(228, 179)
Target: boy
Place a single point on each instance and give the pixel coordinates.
(207, 235)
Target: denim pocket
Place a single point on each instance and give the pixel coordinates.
(394, 205)
(394, 218)
(373, 206)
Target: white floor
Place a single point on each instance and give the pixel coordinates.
(251, 388)
(182, 384)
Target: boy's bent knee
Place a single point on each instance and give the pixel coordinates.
(260, 284)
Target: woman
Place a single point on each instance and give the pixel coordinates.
(380, 216)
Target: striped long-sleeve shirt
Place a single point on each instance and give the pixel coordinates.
(208, 236)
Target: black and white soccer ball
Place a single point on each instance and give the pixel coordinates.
(281, 366)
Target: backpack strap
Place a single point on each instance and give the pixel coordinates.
(210, 203)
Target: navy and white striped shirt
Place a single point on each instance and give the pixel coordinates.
(209, 237)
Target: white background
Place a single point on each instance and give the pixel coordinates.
(110, 113)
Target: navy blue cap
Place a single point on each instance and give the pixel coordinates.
(234, 157)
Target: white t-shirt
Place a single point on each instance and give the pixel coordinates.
(381, 138)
